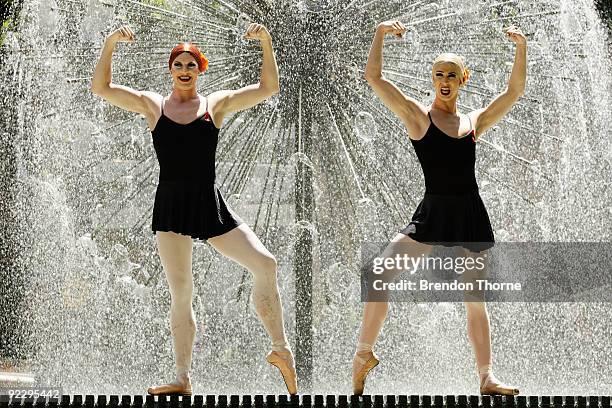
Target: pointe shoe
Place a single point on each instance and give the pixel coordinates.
(496, 388)
(286, 369)
(368, 364)
(170, 389)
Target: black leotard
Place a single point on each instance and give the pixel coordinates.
(187, 200)
(451, 212)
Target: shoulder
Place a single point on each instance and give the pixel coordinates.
(217, 100)
(218, 96)
(153, 96)
(415, 120)
(420, 126)
(473, 117)
(152, 99)
(475, 114)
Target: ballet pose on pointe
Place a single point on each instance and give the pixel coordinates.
(188, 204)
(451, 210)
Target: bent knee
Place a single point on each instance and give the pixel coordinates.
(269, 263)
(266, 264)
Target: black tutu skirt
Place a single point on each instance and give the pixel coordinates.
(451, 220)
(191, 209)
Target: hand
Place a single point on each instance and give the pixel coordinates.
(516, 35)
(257, 32)
(393, 27)
(122, 34)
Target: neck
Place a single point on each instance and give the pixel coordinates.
(446, 106)
(184, 95)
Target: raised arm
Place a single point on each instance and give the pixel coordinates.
(119, 95)
(229, 101)
(497, 109)
(409, 110)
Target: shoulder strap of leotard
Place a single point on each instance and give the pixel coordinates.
(472, 129)
(429, 115)
(162, 105)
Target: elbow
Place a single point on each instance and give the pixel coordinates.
(272, 89)
(516, 92)
(97, 89)
(370, 77)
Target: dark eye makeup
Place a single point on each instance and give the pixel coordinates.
(178, 64)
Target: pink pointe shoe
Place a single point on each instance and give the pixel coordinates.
(286, 369)
(368, 363)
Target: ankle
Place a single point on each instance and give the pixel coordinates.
(281, 346)
(182, 377)
(485, 373)
(363, 348)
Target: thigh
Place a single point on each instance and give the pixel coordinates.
(242, 246)
(175, 252)
(405, 247)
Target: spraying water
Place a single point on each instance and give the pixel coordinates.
(86, 173)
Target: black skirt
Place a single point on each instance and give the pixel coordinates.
(452, 220)
(191, 209)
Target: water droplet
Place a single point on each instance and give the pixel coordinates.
(365, 126)
(419, 315)
(48, 18)
(300, 158)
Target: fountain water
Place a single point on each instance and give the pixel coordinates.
(85, 178)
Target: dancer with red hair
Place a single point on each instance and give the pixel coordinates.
(188, 204)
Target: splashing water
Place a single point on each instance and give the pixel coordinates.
(86, 177)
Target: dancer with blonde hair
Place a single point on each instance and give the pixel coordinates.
(451, 210)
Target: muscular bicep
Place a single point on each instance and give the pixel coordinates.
(495, 111)
(126, 98)
(242, 98)
(409, 110)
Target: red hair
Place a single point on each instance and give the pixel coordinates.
(191, 49)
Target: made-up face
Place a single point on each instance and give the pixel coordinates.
(447, 79)
(184, 71)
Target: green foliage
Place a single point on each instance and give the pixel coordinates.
(158, 3)
(6, 25)
(7, 22)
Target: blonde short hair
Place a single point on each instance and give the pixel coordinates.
(454, 59)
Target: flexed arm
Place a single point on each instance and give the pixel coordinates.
(497, 109)
(240, 99)
(118, 95)
(409, 110)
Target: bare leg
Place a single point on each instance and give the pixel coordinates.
(375, 313)
(175, 251)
